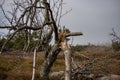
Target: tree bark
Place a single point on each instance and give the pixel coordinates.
(46, 66)
(67, 52)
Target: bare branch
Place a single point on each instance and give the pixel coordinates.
(8, 27)
(19, 29)
(74, 34)
(54, 23)
(66, 12)
(25, 27)
(114, 34)
(5, 14)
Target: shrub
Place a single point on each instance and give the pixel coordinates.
(2, 41)
(8, 46)
(79, 47)
(115, 40)
(116, 45)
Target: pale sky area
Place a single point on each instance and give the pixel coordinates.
(95, 18)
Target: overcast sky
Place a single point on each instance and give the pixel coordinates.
(95, 18)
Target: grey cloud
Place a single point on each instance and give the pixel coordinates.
(95, 18)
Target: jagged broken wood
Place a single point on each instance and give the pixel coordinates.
(67, 52)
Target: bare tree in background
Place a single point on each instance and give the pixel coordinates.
(42, 17)
(115, 40)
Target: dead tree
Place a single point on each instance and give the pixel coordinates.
(115, 40)
(38, 15)
(67, 51)
(45, 69)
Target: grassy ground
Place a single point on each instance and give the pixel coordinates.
(15, 66)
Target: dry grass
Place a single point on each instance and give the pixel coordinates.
(108, 61)
(20, 68)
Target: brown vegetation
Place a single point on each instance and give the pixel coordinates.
(17, 66)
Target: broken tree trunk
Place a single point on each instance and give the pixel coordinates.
(67, 52)
(48, 62)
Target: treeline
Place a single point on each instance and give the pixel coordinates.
(79, 47)
(18, 43)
